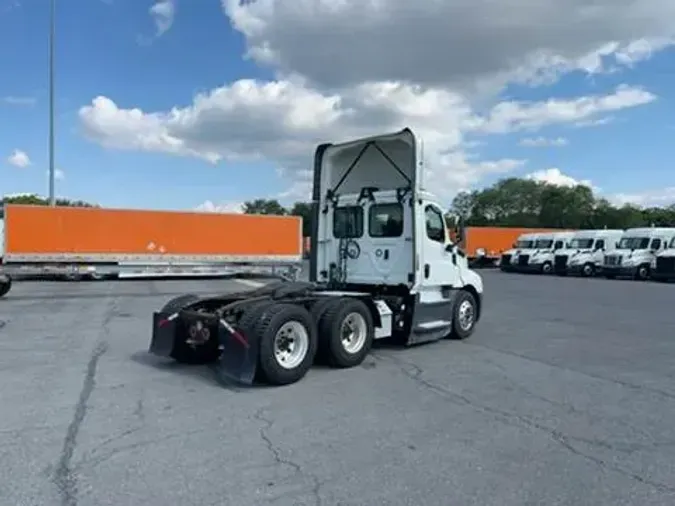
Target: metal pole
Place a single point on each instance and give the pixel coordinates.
(52, 30)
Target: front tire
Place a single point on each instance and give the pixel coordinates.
(288, 343)
(347, 332)
(464, 316)
(642, 272)
(547, 268)
(588, 270)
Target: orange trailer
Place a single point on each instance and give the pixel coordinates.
(484, 245)
(100, 240)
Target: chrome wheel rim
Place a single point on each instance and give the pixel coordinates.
(466, 315)
(353, 332)
(291, 343)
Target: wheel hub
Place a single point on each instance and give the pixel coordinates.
(291, 344)
(353, 332)
(466, 314)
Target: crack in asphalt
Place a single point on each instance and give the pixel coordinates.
(65, 477)
(275, 451)
(415, 373)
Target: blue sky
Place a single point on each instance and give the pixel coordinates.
(112, 49)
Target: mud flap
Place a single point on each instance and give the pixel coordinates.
(238, 361)
(164, 327)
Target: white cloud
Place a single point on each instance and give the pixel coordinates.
(19, 159)
(223, 207)
(283, 121)
(513, 116)
(19, 101)
(541, 142)
(163, 14)
(556, 177)
(427, 65)
(461, 43)
(654, 198)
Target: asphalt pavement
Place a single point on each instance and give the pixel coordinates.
(565, 395)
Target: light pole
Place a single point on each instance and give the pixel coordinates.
(52, 30)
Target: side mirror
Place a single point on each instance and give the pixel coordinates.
(616, 245)
(450, 248)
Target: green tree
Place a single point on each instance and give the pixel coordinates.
(36, 200)
(518, 202)
(264, 206)
(304, 210)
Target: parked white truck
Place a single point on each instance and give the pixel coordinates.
(524, 243)
(636, 250)
(586, 252)
(540, 259)
(663, 264)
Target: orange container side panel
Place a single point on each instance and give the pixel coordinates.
(494, 240)
(41, 230)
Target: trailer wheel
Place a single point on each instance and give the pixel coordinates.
(464, 316)
(288, 343)
(5, 284)
(347, 332)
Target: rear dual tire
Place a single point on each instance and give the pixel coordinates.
(346, 330)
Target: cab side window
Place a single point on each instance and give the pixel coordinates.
(656, 244)
(558, 245)
(435, 224)
(600, 244)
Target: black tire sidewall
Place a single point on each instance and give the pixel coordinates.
(331, 327)
(547, 268)
(178, 303)
(272, 319)
(457, 331)
(590, 267)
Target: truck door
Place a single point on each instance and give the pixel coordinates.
(387, 248)
(439, 268)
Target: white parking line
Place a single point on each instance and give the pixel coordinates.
(250, 282)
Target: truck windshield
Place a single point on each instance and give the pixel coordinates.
(634, 243)
(543, 243)
(524, 244)
(581, 243)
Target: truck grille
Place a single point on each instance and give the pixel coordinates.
(560, 263)
(665, 264)
(613, 260)
(523, 259)
(506, 259)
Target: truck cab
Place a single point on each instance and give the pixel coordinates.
(524, 244)
(635, 251)
(378, 230)
(663, 264)
(545, 247)
(382, 265)
(586, 252)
